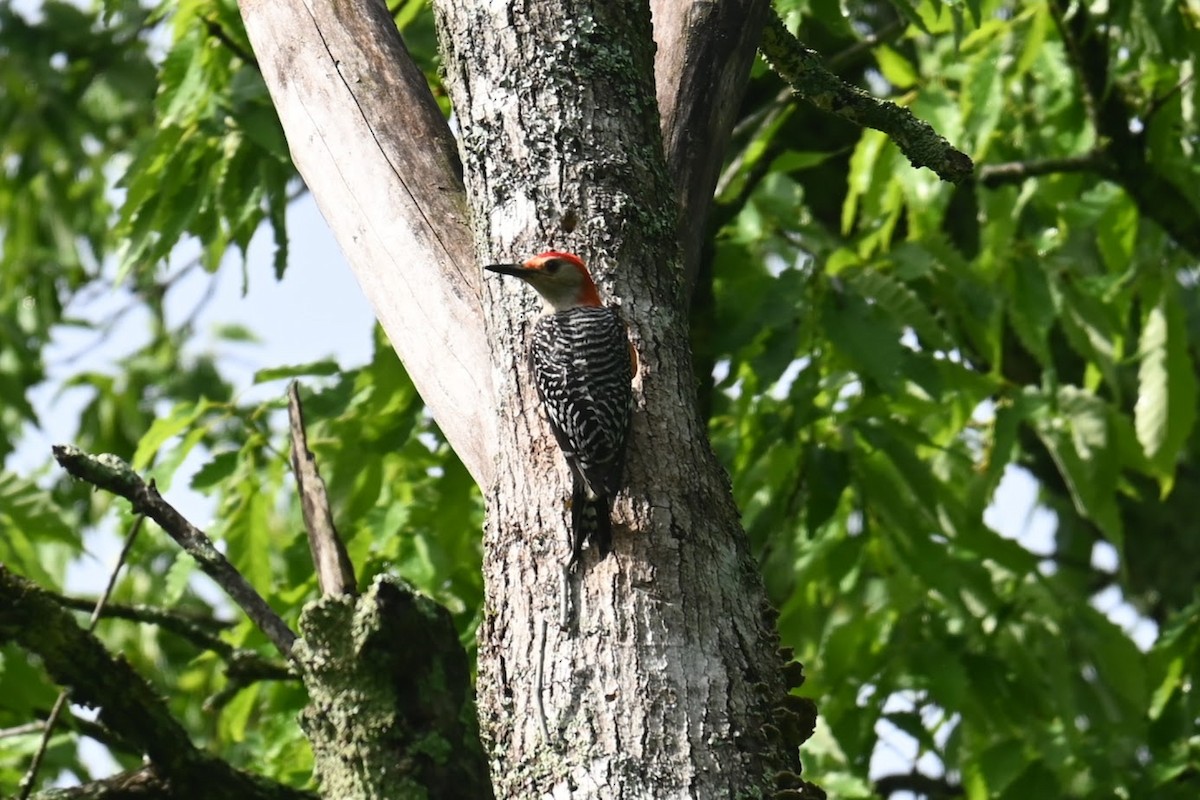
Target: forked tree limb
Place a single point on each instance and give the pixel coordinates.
(338, 73)
(705, 51)
(114, 475)
(370, 141)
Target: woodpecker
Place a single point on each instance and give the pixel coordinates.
(582, 363)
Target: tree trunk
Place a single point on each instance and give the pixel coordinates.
(653, 673)
(664, 678)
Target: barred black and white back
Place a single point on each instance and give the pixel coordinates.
(581, 364)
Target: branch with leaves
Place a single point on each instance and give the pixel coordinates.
(1122, 157)
(127, 704)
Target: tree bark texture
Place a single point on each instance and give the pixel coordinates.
(372, 145)
(653, 673)
(389, 712)
(705, 50)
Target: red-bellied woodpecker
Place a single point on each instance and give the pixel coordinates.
(583, 364)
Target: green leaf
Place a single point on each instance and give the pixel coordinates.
(313, 368)
(862, 169)
(1031, 307)
(895, 67)
(236, 715)
(235, 332)
(826, 476)
(184, 88)
(29, 518)
(1034, 39)
(218, 469)
(182, 417)
(1116, 233)
(1077, 435)
(175, 582)
(902, 304)
(872, 347)
(1165, 412)
(1001, 764)
(1094, 329)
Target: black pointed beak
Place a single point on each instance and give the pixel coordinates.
(507, 269)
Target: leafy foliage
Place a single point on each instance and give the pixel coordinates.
(887, 349)
(893, 347)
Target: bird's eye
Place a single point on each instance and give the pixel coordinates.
(552, 266)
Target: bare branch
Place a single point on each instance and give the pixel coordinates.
(811, 81)
(993, 175)
(335, 573)
(369, 139)
(114, 475)
(862, 47)
(199, 630)
(919, 784)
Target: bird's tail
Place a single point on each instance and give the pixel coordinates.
(591, 521)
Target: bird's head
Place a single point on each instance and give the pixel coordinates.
(560, 278)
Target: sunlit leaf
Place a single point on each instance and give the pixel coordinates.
(1165, 412)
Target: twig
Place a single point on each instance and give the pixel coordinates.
(992, 175)
(245, 669)
(335, 573)
(200, 631)
(22, 730)
(113, 475)
(218, 32)
(80, 725)
(803, 69)
(918, 784)
(35, 764)
(860, 48)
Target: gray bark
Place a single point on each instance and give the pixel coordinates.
(663, 682)
(705, 50)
